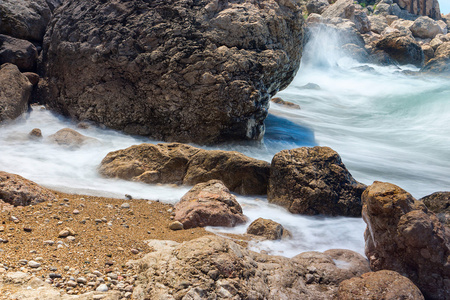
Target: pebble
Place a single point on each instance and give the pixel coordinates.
(176, 225)
(112, 276)
(125, 205)
(2, 228)
(49, 242)
(97, 273)
(71, 238)
(53, 268)
(33, 264)
(54, 275)
(102, 288)
(71, 283)
(76, 212)
(129, 197)
(27, 229)
(23, 261)
(82, 280)
(66, 268)
(134, 251)
(14, 219)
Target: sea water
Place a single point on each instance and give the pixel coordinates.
(386, 126)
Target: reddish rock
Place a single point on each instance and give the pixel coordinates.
(381, 285)
(403, 236)
(18, 191)
(209, 204)
(313, 181)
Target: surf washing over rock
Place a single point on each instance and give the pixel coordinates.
(371, 96)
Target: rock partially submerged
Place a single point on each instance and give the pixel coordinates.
(200, 71)
(209, 204)
(403, 236)
(184, 164)
(313, 181)
(268, 229)
(70, 138)
(15, 92)
(212, 267)
(18, 191)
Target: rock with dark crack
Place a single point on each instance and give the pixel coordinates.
(198, 71)
(15, 92)
(209, 204)
(381, 285)
(212, 267)
(314, 181)
(183, 164)
(18, 191)
(403, 236)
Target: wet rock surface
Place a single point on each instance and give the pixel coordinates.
(70, 138)
(184, 164)
(403, 236)
(15, 92)
(268, 229)
(18, 191)
(200, 71)
(209, 204)
(439, 203)
(19, 52)
(402, 48)
(314, 181)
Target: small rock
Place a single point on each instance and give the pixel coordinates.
(76, 212)
(27, 229)
(33, 264)
(176, 225)
(49, 242)
(128, 197)
(125, 205)
(54, 275)
(136, 251)
(36, 133)
(66, 232)
(71, 283)
(102, 288)
(82, 280)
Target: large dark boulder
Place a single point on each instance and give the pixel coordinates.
(19, 52)
(24, 19)
(182, 70)
(403, 236)
(314, 181)
(15, 92)
(404, 49)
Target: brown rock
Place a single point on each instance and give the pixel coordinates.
(21, 53)
(209, 204)
(381, 285)
(240, 173)
(19, 191)
(421, 7)
(266, 228)
(32, 77)
(36, 133)
(212, 267)
(176, 226)
(439, 203)
(440, 64)
(15, 92)
(280, 101)
(70, 138)
(346, 9)
(428, 52)
(66, 232)
(199, 71)
(313, 181)
(402, 48)
(180, 163)
(402, 236)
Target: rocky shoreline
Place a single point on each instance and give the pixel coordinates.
(204, 72)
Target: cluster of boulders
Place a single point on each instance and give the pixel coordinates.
(388, 32)
(304, 180)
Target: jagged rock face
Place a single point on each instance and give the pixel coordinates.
(421, 7)
(24, 19)
(403, 236)
(15, 92)
(184, 164)
(199, 71)
(209, 204)
(346, 9)
(314, 181)
(212, 267)
(381, 285)
(402, 48)
(18, 191)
